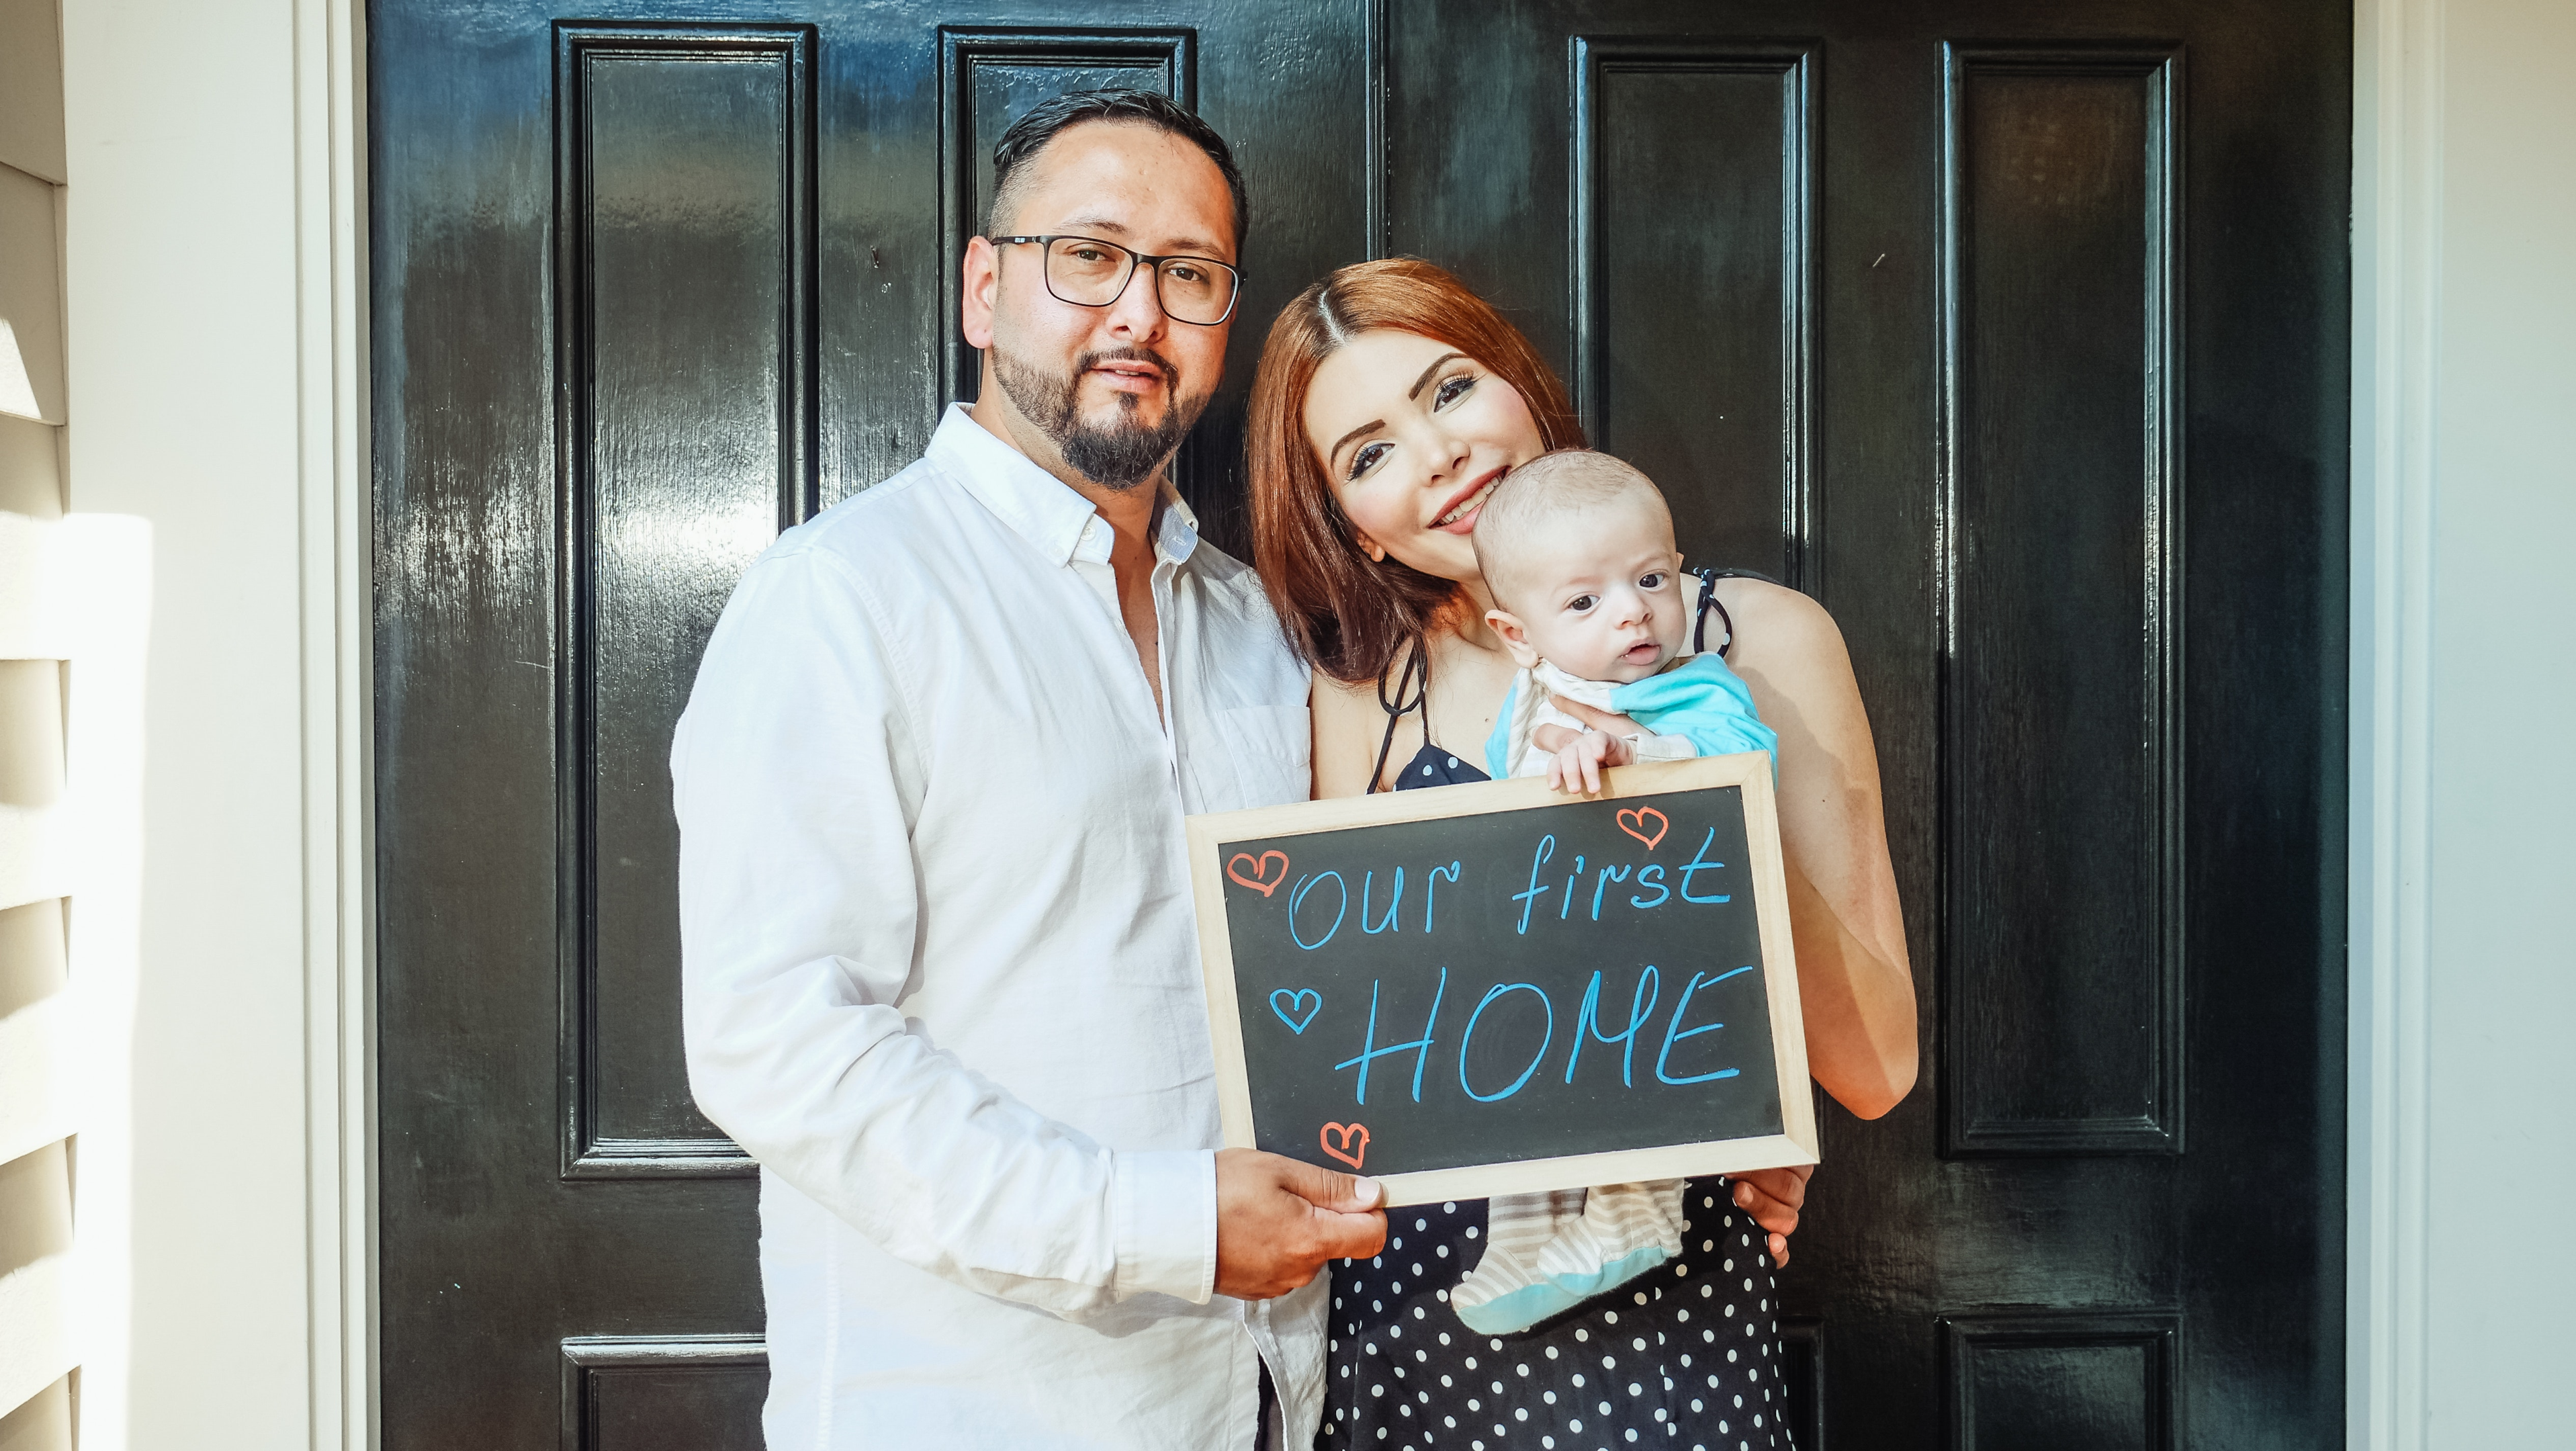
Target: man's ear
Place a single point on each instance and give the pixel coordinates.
(1515, 637)
(979, 279)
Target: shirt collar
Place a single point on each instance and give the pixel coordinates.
(1036, 504)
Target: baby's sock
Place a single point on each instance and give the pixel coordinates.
(1547, 1253)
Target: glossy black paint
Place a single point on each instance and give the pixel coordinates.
(2014, 332)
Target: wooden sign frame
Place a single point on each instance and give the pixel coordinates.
(1751, 771)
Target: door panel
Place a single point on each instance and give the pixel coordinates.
(687, 296)
(2061, 960)
(2013, 333)
(1675, 258)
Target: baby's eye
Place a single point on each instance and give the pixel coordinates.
(1367, 457)
(1451, 390)
(1582, 604)
(1654, 580)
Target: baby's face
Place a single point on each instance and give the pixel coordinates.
(1600, 598)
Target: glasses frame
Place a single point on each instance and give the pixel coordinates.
(1134, 259)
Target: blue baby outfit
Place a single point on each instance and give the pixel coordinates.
(1701, 699)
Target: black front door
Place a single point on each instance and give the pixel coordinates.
(2015, 334)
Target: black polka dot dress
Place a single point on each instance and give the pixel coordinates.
(1684, 1356)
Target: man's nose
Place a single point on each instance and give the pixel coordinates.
(1138, 311)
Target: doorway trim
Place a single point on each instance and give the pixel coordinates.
(334, 512)
(2396, 256)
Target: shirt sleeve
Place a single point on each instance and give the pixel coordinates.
(797, 778)
(1652, 747)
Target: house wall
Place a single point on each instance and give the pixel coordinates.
(209, 243)
(39, 1112)
(213, 384)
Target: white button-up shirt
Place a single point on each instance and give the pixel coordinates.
(941, 967)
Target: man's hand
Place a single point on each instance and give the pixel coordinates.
(1278, 1220)
(1773, 1197)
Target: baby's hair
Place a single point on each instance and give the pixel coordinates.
(1551, 490)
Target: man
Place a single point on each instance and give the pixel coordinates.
(940, 956)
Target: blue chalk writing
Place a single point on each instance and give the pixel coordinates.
(1546, 849)
(1387, 922)
(1673, 1033)
(1296, 999)
(1700, 863)
(1297, 897)
(1651, 875)
(1568, 904)
(1500, 990)
(1601, 880)
(1431, 889)
(1641, 1006)
(1420, 1047)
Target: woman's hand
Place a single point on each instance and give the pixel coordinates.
(1773, 1197)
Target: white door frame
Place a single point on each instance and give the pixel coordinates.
(2396, 176)
(335, 498)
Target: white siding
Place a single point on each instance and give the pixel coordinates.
(39, 1097)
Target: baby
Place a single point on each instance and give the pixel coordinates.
(1577, 548)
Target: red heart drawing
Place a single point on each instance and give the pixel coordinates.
(1256, 874)
(1349, 1132)
(1634, 823)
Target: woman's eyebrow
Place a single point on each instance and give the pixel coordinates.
(1372, 426)
(1416, 390)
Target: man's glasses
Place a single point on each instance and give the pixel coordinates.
(1091, 273)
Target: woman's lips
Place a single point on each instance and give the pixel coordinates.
(1466, 504)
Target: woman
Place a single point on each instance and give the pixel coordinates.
(1389, 400)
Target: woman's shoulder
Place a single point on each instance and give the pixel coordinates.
(1773, 619)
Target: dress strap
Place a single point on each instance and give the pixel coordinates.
(1415, 677)
(1708, 600)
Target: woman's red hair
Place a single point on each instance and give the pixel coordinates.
(1347, 614)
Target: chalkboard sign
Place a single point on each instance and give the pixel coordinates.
(1497, 988)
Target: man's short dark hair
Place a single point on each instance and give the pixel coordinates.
(1049, 118)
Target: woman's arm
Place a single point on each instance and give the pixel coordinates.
(1853, 982)
(1853, 977)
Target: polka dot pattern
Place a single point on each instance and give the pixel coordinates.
(1623, 1370)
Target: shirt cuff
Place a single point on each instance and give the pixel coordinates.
(1664, 748)
(1164, 1205)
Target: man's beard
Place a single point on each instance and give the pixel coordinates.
(1119, 457)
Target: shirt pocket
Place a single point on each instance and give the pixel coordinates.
(1256, 755)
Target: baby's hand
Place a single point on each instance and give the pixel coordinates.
(1581, 760)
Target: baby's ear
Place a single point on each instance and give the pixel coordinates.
(1515, 637)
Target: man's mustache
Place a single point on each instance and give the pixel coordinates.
(1132, 354)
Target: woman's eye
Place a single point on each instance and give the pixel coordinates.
(1367, 457)
(1451, 390)
(1582, 604)
(1651, 581)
